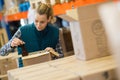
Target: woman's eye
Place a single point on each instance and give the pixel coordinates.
(42, 22)
(36, 21)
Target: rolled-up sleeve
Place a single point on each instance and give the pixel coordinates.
(6, 49)
(59, 49)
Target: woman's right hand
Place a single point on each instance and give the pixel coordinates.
(16, 42)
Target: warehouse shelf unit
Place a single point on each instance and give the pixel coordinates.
(58, 8)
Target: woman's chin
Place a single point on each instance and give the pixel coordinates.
(39, 29)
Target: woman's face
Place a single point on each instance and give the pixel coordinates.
(41, 21)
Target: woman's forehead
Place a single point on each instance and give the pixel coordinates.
(43, 16)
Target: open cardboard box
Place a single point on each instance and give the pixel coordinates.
(88, 34)
(36, 57)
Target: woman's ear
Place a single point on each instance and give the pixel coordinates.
(49, 19)
(52, 20)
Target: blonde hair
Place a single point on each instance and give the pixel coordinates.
(46, 8)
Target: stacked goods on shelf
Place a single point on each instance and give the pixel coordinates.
(53, 2)
(12, 10)
(68, 68)
(9, 4)
(45, 1)
(24, 6)
(34, 3)
(11, 7)
(3, 37)
(88, 34)
(58, 8)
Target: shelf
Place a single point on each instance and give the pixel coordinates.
(17, 16)
(58, 9)
(0, 16)
(61, 8)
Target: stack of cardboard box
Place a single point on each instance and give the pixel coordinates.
(68, 68)
(88, 34)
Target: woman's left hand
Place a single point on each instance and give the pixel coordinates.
(49, 49)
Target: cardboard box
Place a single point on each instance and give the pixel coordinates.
(7, 63)
(36, 57)
(34, 3)
(105, 75)
(66, 41)
(3, 37)
(41, 71)
(3, 77)
(110, 15)
(103, 68)
(88, 34)
(16, 73)
(45, 1)
(68, 68)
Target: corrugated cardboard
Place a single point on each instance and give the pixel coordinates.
(36, 58)
(14, 74)
(5, 78)
(110, 15)
(88, 34)
(8, 63)
(68, 68)
(106, 75)
(97, 69)
(66, 41)
(41, 71)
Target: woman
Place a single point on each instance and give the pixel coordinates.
(40, 35)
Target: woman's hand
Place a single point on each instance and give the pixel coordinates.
(52, 51)
(16, 42)
(49, 49)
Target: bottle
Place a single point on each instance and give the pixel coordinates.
(24, 51)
